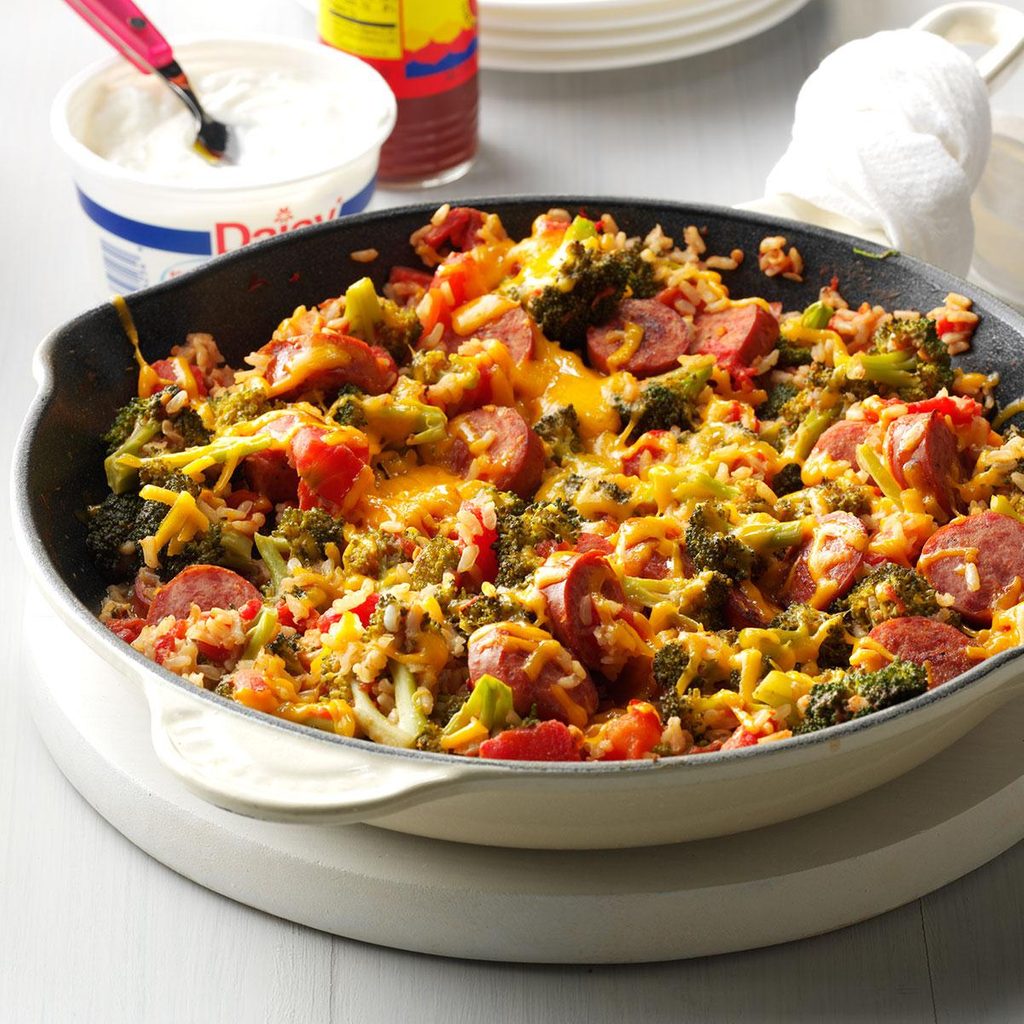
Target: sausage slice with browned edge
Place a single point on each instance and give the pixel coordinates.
(513, 329)
(496, 444)
(736, 337)
(841, 441)
(666, 336)
(941, 648)
(827, 563)
(325, 361)
(994, 545)
(921, 451)
(531, 672)
(209, 586)
(570, 603)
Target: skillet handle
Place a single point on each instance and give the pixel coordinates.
(997, 26)
(239, 764)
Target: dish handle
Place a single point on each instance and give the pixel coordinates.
(238, 764)
(996, 26)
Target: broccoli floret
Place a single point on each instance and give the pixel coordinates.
(372, 553)
(239, 403)
(399, 422)
(830, 701)
(711, 544)
(411, 721)
(219, 545)
(890, 592)
(380, 321)
(307, 532)
(668, 400)
(909, 358)
(700, 598)
(560, 430)
(827, 706)
(587, 290)
(286, 646)
(843, 496)
(446, 704)
(787, 480)
(334, 683)
(116, 527)
(139, 416)
(670, 663)
(834, 649)
(897, 682)
(521, 531)
(792, 353)
(438, 556)
(190, 426)
(486, 609)
(774, 405)
(170, 479)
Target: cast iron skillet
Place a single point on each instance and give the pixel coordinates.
(87, 373)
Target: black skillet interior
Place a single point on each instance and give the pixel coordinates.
(240, 298)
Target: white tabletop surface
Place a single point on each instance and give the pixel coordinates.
(91, 929)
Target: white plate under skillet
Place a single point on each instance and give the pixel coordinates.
(789, 881)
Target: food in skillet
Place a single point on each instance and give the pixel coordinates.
(564, 498)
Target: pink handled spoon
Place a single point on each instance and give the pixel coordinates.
(136, 38)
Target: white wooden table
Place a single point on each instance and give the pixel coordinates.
(91, 929)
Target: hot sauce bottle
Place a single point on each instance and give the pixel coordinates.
(427, 52)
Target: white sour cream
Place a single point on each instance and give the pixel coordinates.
(287, 122)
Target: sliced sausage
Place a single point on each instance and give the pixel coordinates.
(570, 604)
(741, 612)
(941, 648)
(501, 652)
(269, 474)
(666, 337)
(325, 361)
(460, 229)
(827, 562)
(921, 451)
(209, 586)
(736, 337)
(994, 545)
(841, 441)
(514, 329)
(496, 444)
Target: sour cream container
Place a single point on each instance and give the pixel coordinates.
(311, 123)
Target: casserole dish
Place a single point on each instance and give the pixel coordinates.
(254, 765)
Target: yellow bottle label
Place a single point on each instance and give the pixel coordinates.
(421, 47)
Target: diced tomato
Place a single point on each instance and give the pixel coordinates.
(410, 275)
(593, 542)
(326, 471)
(486, 568)
(959, 408)
(250, 609)
(742, 737)
(284, 615)
(165, 644)
(944, 326)
(549, 741)
(362, 611)
(634, 734)
(127, 629)
(213, 652)
(167, 371)
(654, 442)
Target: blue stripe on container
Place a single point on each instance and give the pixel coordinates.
(359, 201)
(417, 69)
(195, 243)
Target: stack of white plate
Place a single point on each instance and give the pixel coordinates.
(590, 35)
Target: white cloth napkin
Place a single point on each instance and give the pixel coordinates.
(890, 137)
